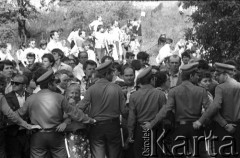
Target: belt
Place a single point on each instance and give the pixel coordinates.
(184, 122)
(234, 122)
(22, 132)
(47, 130)
(107, 121)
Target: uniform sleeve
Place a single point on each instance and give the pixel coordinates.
(131, 116)
(206, 101)
(220, 120)
(11, 115)
(85, 103)
(122, 103)
(214, 107)
(75, 113)
(24, 109)
(169, 106)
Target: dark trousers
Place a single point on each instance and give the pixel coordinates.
(17, 146)
(128, 149)
(185, 143)
(100, 52)
(225, 138)
(105, 139)
(2, 144)
(44, 143)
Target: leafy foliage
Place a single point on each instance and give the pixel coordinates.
(216, 25)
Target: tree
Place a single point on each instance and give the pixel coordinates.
(217, 28)
(13, 16)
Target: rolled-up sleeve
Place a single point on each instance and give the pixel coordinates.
(214, 107)
(74, 112)
(11, 115)
(131, 116)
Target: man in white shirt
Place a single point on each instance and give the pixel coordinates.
(58, 55)
(116, 34)
(93, 26)
(174, 62)
(72, 36)
(79, 40)
(43, 49)
(164, 52)
(54, 41)
(4, 53)
(78, 71)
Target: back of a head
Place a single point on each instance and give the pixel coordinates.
(203, 64)
(136, 64)
(142, 55)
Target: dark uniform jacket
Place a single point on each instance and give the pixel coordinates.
(144, 104)
(226, 101)
(187, 100)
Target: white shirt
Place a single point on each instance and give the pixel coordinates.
(72, 36)
(3, 56)
(30, 50)
(21, 99)
(41, 53)
(135, 47)
(164, 52)
(78, 72)
(53, 44)
(115, 33)
(6, 56)
(91, 55)
(78, 46)
(37, 89)
(95, 24)
(100, 40)
(8, 88)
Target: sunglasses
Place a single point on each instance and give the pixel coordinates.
(16, 83)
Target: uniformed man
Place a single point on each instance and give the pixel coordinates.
(46, 109)
(226, 104)
(187, 101)
(143, 106)
(106, 102)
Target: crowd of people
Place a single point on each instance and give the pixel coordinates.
(97, 95)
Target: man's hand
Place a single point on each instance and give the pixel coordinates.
(230, 127)
(147, 126)
(61, 127)
(196, 124)
(35, 127)
(130, 138)
(92, 121)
